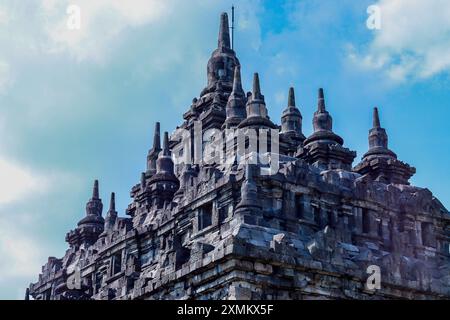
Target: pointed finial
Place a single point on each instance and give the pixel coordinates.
(237, 83)
(232, 27)
(248, 172)
(321, 101)
(166, 151)
(27, 294)
(112, 202)
(111, 216)
(224, 32)
(95, 193)
(291, 98)
(376, 118)
(156, 137)
(378, 140)
(143, 179)
(256, 87)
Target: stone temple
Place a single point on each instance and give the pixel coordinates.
(317, 228)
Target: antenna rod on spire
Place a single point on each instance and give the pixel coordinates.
(232, 27)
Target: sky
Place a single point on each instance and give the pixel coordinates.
(78, 105)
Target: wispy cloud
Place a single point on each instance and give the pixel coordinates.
(21, 254)
(413, 42)
(16, 182)
(101, 22)
(27, 199)
(4, 17)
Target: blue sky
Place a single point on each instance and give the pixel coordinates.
(81, 105)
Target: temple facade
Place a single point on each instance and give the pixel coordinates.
(317, 227)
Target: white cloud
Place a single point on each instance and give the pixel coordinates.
(21, 255)
(23, 195)
(4, 17)
(42, 26)
(16, 182)
(413, 43)
(101, 22)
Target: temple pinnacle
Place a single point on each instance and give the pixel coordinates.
(321, 101)
(156, 137)
(256, 87)
(237, 83)
(291, 99)
(112, 202)
(166, 151)
(224, 32)
(376, 118)
(95, 193)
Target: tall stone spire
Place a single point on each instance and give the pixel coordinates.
(94, 206)
(291, 119)
(224, 32)
(111, 216)
(222, 62)
(95, 193)
(235, 109)
(92, 225)
(378, 140)
(163, 184)
(323, 124)
(112, 203)
(321, 101)
(380, 163)
(156, 137)
(324, 148)
(164, 164)
(291, 97)
(322, 120)
(143, 180)
(237, 82)
(166, 151)
(256, 94)
(154, 151)
(256, 108)
(376, 118)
